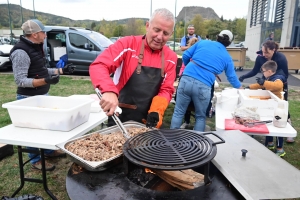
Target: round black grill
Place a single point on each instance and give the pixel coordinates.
(170, 149)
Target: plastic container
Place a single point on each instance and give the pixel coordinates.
(281, 114)
(49, 112)
(95, 107)
(264, 100)
(229, 99)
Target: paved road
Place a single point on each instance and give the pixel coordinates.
(293, 80)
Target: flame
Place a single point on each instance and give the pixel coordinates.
(147, 170)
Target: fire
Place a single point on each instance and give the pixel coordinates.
(147, 170)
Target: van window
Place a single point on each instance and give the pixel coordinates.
(78, 41)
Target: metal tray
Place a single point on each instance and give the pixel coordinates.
(99, 165)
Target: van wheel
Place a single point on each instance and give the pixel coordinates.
(241, 68)
(297, 71)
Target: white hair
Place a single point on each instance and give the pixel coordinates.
(165, 13)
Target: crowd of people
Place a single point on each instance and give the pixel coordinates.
(144, 71)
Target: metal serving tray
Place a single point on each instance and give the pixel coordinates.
(99, 165)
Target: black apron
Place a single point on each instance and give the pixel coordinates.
(136, 96)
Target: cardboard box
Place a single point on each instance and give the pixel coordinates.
(49, 112)
(265, 108)
(59, 52)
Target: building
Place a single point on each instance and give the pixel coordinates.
(282, 17)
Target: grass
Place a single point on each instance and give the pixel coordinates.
(9, 169)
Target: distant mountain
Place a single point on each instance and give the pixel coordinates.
(188, 13)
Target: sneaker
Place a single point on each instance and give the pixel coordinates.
(280, 153)
(184, 125)
(290, 140)
(271, 146)
(55, 154)
(38, 166)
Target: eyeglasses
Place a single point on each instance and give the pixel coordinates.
(263, 71)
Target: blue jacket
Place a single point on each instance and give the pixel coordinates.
(213, 58)
(278, 57)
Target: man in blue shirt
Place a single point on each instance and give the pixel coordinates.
(186, 38)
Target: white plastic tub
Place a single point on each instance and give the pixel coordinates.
(49, 112)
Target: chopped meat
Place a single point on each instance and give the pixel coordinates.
(100, 147)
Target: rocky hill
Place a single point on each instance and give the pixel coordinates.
(189, 13)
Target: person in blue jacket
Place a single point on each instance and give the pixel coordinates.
(204, 60)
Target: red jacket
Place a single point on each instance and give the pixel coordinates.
(121, 58)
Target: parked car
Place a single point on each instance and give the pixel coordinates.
(4, 56)
(4, 40)
(114, 39)
(171, 45)
(82, 46)
(241, 44)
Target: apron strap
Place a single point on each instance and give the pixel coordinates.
(162, 63)
(141, 56)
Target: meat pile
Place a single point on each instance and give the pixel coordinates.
(100, 147)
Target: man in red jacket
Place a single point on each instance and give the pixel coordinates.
(144, 72)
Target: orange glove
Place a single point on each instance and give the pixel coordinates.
(156, 113)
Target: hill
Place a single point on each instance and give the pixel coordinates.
(187, 13)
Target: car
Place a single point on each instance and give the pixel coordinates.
(114, 39)
(5, 62)
(171, 45)
(82, 46)
(241, 44)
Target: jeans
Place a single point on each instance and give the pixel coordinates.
(32, 155)
(279, 141)
(191, 89)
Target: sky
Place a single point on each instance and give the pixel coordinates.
(120, 9)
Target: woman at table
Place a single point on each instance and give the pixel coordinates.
(204, 60)
(269, 50)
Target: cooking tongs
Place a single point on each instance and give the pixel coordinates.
(115, 118)
(252, 124)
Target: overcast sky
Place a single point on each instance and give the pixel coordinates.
(120, 9)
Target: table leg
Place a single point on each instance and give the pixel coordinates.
(44, 175)
(22, 177)
(21, 171)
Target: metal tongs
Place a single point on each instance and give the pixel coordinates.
(115, 118)
(252, 124)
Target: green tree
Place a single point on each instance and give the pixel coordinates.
(199, 25)
(241, 29)
(214, 27)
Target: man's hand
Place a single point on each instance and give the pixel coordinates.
(109, 103)
(260, 81)
(52, 79)
(152, 119)
(69, 69)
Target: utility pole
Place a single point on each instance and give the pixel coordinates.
(9, 21)
(150, 8)
(21, 11)
(184, 20)
(175, 26)
(33, 10)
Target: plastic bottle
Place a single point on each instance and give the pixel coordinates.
(280, 115)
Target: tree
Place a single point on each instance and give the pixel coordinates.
(93, 25)
(241, 29)
(214, 27)
(199, 25)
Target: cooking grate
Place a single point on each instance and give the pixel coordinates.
(170, 149)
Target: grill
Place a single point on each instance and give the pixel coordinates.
(171, 149)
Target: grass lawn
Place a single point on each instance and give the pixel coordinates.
(9, 170)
